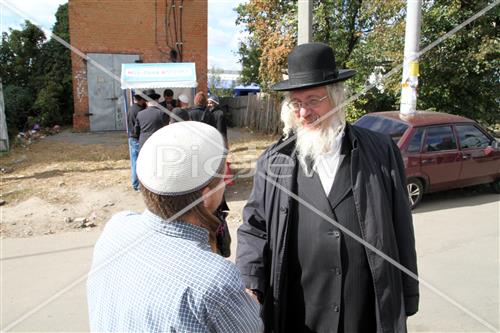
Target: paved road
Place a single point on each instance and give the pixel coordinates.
(457, 242)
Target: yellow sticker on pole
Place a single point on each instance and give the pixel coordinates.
(414, 68)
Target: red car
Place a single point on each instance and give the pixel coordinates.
(440, 151)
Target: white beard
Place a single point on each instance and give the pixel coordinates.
(313, 142)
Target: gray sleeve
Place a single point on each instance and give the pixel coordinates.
(251, 253)
(403, 228)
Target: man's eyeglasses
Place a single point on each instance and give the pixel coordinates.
(310, 103)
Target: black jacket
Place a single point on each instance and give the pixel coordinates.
(132, 119)
(383, 211)
(219, 121)
(149, 121)
(171, 105)
(199, 113)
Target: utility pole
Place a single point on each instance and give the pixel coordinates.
(410, 64)
(305, 21)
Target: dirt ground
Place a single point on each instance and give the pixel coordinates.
(77, 181)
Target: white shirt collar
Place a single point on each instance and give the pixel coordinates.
(327, 164)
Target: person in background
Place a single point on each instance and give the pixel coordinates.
(150, 119)
(159, 271)
(199, 111)
(222, 211)
(183, 101)
(218, 114)
(133, 138)
(179, 114)
(168, 100)
(323, 197)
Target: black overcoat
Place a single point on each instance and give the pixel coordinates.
(132, 119)
(199, 113)
(220, 121)
(382, 208)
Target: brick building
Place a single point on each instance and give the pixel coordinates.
(112, 32)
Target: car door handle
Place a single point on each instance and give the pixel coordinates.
(429, 161)
(466, 157)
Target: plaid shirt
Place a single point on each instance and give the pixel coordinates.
(151, 275)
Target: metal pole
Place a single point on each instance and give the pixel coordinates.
(410, 64)
(305, 21)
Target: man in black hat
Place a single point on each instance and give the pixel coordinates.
(150, 119)
(328, 204)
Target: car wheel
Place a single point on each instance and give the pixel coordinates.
(496, 186)
(415, 191)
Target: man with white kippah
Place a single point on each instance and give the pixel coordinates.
(159, 271)
(183, 101)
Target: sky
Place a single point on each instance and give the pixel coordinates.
(223, 35)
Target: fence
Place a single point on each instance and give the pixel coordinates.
(259, 112)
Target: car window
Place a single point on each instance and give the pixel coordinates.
(393, 128)
(415, 141)
(440, 138)
(471, 137)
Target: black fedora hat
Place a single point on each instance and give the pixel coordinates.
(311, 65)
(151, 93)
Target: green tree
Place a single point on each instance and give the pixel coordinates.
(54, 102)
(20, 55)
(272, 29)
(462, 74)
(20, 72)
(358, 30)
(343, 24)
(36, 75)
(250, 60)
(374, 55)
(353, 28)
(215, 83)
(17, 102)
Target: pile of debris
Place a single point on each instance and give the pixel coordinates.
(85, 222)
(80, 222)
(35, 133)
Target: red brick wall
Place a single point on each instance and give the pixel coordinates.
(114, 26)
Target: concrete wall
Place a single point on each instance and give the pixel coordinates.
(4, 136)
(130, 27)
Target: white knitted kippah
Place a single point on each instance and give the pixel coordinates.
(181, 158)
(183, 98)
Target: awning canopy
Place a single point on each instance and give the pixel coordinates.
(159, 75)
